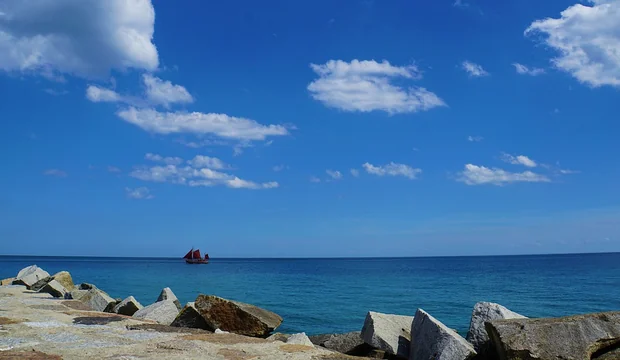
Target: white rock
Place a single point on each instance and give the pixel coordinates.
(167, 294)
(483, 312)
(128, 307)
(54, 288)
(430, 339)
(97, 299)
(163, 312)
(390, 333)
(30, 275)
(299, 339)
(218, 331)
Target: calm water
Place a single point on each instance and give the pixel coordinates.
(333, 295)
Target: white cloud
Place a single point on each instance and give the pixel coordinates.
(86, 38)
(164, 93)
(568, 171)
(355, 172)
(279, 168)
(98, 94)
(474, 70)
(587, 39)
(479, 175)
(518, 160)
(315, 179)
(366, 86)
(221, 125)
(334, 174)
(474, 138)
(200, 161)
(113, 169)
(524, 70)
(166, 160)
(140, 193)
(392, 169)
(55, 172)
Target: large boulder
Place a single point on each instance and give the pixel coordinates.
(30, 275)
(163, 312)
(589, 336)
(7, 281)
(299, 339)
(54, 288)
(97, 299)
(167, 294)
(236, 317)
(65, 279)
(483, 312)
(128, 307)
(189, 317)
(41, 283)
(349, 343)
(430, 339)
(390, 333)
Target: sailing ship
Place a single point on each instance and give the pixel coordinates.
(193, 257)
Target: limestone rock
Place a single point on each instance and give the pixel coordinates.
(30, 275)
(279, 337)
(97, 299)
(77, 294)
(41, 283)
(483, 312)
(128, 307)
(390, 333)
(299, 339)
(589, 336)
(430, 339)
(167, 294)
(236, 317)
(64, 278)
(189, 317)
(349, 343)
(54, 288)
(163, 312)
(7, 281)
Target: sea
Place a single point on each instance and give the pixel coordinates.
(333, 295)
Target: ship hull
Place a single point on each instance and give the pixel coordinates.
(196, 261)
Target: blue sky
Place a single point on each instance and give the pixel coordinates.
(290, 128)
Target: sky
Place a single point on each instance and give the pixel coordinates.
(309, 129)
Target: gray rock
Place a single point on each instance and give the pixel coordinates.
(86, 286)
(477, 334)
(167, 294)
(163, 312)
(54, 288)
(128, 307)
(299, 339)
(97, 299)
(30, 275)
(189, 317)
(236, 317)
(65, 279)
(348, 343)
(40, 284)
(430, 339)
(589, 336)
(279, 337)
(390, 333)
(6, 282)
(77, 294)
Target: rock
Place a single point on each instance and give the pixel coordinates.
(189, 317)
(128, 307)
(163, 312)
(477, 334)
(299, 339)
(64, 278)
(97, 299)
(77, 294)
(279, 337)
(55, 289)
(430, 339)
(390, 333)
(236, 317)
(7, 281)
(41, 283)
(349, 343)
(218, 331)
(30, 275)
(589, 336)
(167, 294)
(86, 286)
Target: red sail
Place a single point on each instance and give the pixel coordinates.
(188, 255)
(197, 254)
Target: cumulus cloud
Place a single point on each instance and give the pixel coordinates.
(86, 38)
(55, 172)
(164, 93)
(587, 41)
(140, 193)
(518, 160)
(99, 94)
(479, 175)
(220, 125)
(392, 169)
(200, 161)
(524, 70)
(366, 86)
(166, 160)
(334, 174)
(355, 172)
(474, 70)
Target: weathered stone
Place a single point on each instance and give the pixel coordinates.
(299, 339)
(128, 307)
(77, 294)
(55, 289)
(589, 336)
(7, 281)
(86, 286)
(40, 284)
(391, 333)
(97, 299)
(30, 275)
(163, 312)
(64, 278)
(189, 317)
(279, 337)
(236, 317)
(477, 334)
(349, 343)
(430, 339)
(167, 294)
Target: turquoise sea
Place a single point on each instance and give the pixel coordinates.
(333, 295)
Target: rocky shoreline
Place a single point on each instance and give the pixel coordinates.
(45, 316)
